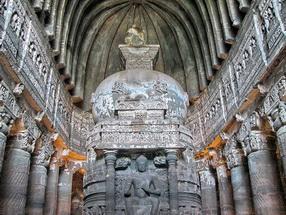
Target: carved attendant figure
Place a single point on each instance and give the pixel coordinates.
(145, 200)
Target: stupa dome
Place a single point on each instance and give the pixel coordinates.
(139, 87)
(155, 89)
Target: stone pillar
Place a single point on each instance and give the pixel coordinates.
(110, 158)
(172, 180)
(279, 124)
(224, 185)
(208, 188)
(38, 176)
(5, 120)
(264, 175)
(240, 181)
(52, 188)
(65, 192)
(13, 187)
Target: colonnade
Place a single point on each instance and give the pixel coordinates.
(242, 177)
(35, 180)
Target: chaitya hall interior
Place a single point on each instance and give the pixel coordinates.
(142, 107)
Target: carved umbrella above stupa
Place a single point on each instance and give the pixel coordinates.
(139, 138)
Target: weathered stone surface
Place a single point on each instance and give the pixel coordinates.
(51, 194)
(15, 183)
(64, 192)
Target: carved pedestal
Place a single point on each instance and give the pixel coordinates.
(264, 176)
(52, 188)
(64, 192)
(16, 168)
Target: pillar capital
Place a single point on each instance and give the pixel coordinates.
(5, 121)
(235, 158)
(202, 165)
(43, 149)
(258, 140)
(21, 140)
(110, 156)
(217, 158)
(171, 156)
(278, 116)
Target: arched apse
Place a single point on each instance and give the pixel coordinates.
(194, 36)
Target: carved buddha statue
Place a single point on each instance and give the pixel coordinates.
(145, 200)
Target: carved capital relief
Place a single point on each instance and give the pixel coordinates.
(21, 140)
(234, 155)
(206, 176)
(278, 116)
(202, 165)
(258, 140)
(44, 149)
(235, 158)
(5, 121)
(216, 158)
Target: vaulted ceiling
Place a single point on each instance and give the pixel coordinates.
(194, 35)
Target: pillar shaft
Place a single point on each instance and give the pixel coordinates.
(173, 180)
(208, 192)
(110, 158)
(225, 191)
(52, 189)
(281, 139)
(239, 177)
(241, 190)
(265, 183)
(5, 121)
(36, 190)
(3, 139)
(13, 187)
(64, 192)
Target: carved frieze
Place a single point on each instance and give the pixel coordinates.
(144, 136)
(8, 100)
(80, 123)
(63, 112)
(271, 22)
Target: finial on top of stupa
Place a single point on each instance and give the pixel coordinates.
(135, 36)
(136, 53)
